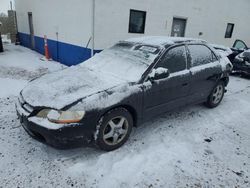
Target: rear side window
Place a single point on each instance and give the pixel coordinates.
(201, 55)
(174, 60)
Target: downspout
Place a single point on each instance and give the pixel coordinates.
(93, 28)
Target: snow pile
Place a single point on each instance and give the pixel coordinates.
(24, 59)
(18, 65)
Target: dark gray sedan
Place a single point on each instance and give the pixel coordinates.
(99, 101)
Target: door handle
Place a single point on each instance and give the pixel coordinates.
(184, 84)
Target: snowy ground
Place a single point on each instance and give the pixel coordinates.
(191, 147)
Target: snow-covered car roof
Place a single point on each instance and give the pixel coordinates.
(162, 40)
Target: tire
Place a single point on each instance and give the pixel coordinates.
(114, 129)
(216, 95)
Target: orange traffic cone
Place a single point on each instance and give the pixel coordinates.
(46, 49)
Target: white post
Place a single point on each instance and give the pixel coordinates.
(93, 28)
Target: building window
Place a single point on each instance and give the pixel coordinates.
(178, 27)
(137, 21)
(229, 31)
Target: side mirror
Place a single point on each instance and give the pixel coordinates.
(158, 74)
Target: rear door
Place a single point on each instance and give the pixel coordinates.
(166, 94)
(205, 71)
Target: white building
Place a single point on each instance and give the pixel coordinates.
(71, 25)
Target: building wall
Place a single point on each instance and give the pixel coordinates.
(72, 21)
(209, 17)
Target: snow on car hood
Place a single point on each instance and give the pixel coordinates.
(59, 89)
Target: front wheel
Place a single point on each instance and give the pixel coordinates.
(216, 95)
(114, 129)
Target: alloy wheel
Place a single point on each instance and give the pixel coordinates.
(115, 130)
(217, 94)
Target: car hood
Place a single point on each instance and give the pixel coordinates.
(62, 88)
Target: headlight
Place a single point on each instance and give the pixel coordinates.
(57, 116)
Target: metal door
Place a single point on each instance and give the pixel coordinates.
(32, 36)
(178, 27)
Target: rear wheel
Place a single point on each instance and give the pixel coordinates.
(216, 95)
(114, 129)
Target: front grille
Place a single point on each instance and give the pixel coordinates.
(25, 105)
(20, 99)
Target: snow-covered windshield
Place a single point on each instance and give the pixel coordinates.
(127, 61)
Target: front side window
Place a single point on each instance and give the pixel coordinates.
(174, 60)
(200, 55)
(229, 30)
(137, 21)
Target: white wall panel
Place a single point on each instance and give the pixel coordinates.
(72, 19)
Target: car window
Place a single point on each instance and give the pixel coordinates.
(239, 44)
(174, 60)
(201, 55)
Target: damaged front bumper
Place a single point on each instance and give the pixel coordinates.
(240, 66)
(61, 136)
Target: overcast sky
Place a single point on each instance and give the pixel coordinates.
(5, 5)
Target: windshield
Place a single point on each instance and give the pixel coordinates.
(127, 61)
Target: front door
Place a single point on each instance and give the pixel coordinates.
(163, 95)
(178, 27)
(31, 27)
